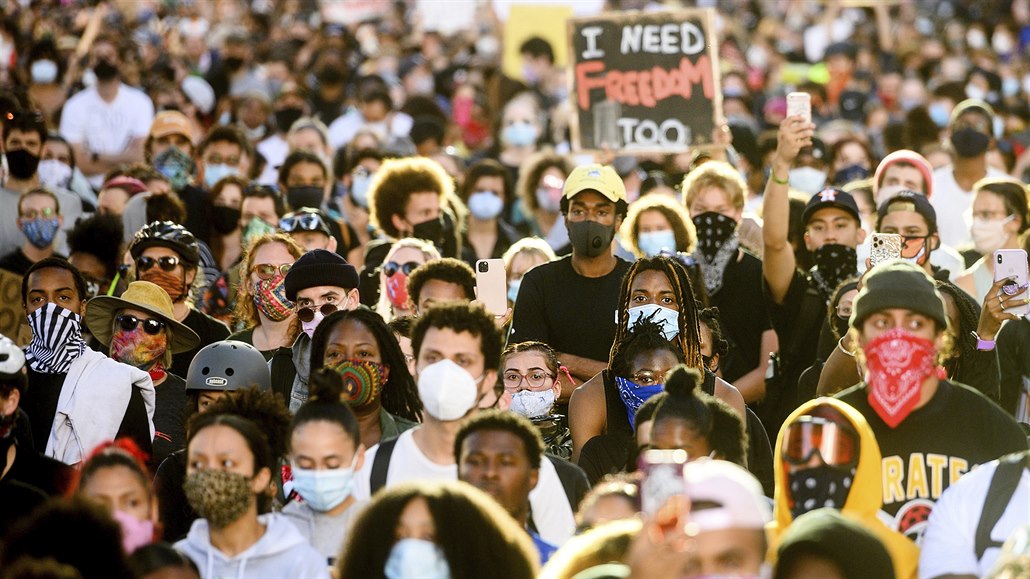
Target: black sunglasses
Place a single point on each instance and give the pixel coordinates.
(167, 263)
(129, 323)
(307, 314)
(392, 267)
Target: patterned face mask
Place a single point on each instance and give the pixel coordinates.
(220, 496)
(56, 339)
(177, 166)
(834, 263)
(362, 382)
(270, 298)
(716, 246)
(173, 284)
(897, 364)
(137, 347)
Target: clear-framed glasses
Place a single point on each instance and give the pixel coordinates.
(535, 378)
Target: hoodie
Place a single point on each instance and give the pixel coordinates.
(864, 500)
(857, 553)
(281, 552)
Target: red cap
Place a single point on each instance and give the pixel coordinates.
(130, 185)
(911, 157)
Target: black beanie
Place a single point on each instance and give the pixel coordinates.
(319, 267)
(898, 284)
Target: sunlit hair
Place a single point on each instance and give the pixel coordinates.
(715, 174)
(395, 182)
(429, 253)
(688, 340)
(245, 312)
(528, 245)
(675, 213)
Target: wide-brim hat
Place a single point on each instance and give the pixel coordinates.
(145, 297)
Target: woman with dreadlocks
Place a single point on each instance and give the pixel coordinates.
(656, 290)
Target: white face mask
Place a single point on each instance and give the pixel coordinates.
(668, 318)
(416, 558)
(53, 173)
(807, 179)
(989, 234)
(532, 404)
(323, 490)
(447, 391)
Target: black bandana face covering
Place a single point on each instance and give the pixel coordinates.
(716, 246)
(819, 487)
(56, 339)
(834, 263)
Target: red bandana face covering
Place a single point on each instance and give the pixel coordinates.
(897, 364)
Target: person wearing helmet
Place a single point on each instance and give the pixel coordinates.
(167, 255)
(18, 462)
(216, 370)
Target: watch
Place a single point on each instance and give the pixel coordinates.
(983, 345)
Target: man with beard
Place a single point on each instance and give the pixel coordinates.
(797, 300)
(107, 123)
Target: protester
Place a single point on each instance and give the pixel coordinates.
(225, 235)
(262, 308)
(530, 375)
(309, 228)
(95, 248)
(522, 256)
(307, 183)
(115, 476)
(825, 543)
(657, 225)
(39, 218)
(115, 194)
(438, 281)
(614, 498)
(487, 190)
(404, 256)
(1000, 216)
(540, 189)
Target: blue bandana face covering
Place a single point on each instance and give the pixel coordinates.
(633, 396)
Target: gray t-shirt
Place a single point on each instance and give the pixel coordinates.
(326, 533)
(11, 236)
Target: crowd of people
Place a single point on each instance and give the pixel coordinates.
(242, 250)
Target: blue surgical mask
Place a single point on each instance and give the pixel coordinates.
(520, 134)
(323, 490)
(215, 173)
(359, 189)
(652, 243)
(939, 113)
(668, 318)
(513, 289)
(485, 205)
(43, 71)
(416, 558)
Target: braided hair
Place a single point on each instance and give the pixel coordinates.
(968, 319)
(688, 340)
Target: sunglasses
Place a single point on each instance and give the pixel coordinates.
(306, 314)
(302, 222)
(268, 271)
(167, 263)
(129, 323)
(835, 443)
(392, 267)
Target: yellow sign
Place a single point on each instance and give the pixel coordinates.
(526, 21)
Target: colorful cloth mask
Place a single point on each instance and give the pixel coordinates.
(633, 396)
(255, 228)
(818, 487)
(532, 404)
(717, 245)
(270, 298)
(135, 532)
(363, 381)
(177, 166)
(137, 347)
(397, 290)
(220, 496)
(897, 364)
(56, 339)
(834, 263)
(40, 232)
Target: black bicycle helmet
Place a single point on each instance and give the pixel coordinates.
(228, 365)
(166, 234)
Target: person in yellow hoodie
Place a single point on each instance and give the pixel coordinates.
(826, 456)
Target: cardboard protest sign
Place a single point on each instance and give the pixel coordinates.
(645, 82)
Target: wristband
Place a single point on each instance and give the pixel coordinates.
(983, 345)
(772, 175)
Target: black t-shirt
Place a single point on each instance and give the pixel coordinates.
(52, 477)
(571, 313)
(210, 331)
(175, 511)
(169, 418)
(743, 314)
(958, 429)
(17, 262)
(247, 337)
(1014, 356)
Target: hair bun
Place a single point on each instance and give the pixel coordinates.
(325, 386)
(683, 381)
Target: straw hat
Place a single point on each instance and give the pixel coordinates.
(145, 297)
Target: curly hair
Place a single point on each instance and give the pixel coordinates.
(710, 318)
(100, 236)
(968, 320)
(715, 174)
(461, 317)
(477, 536)
(395, 182)
(502, 420)
(446, 269)
(645, 336)
(533, 170)
(399, 395)
(674, 213)
(245, 313)
(688, 340)
(263, 408)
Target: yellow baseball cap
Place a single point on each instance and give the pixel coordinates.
(595, 177)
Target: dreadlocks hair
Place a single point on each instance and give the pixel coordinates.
(399, 395)
(968, 319)
(688, 340)
(646, 336)
(720, 346)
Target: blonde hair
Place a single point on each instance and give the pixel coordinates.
(528, 245)
(715, 174)
(675, 213)
(244, 312)
(429, 253)
(604, 544)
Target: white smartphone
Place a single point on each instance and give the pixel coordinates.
(799, 103)
(1012, 264)
(492, 286)
(885, 247)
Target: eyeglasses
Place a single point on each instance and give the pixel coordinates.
(835, 443)
(306, 314)
(128, 323)
(268, 271)
(535, 379)
(34, 213)
(167, 263)
(302, 222)
(392, 267)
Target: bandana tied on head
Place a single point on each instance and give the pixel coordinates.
(362, 381)
(633, 396)
(834, 263)
(717, 245)
(897, 364)
(270, 298)
(56, 339)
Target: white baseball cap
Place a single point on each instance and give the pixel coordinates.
(724, 496)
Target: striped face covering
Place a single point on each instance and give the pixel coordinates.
(56, 339)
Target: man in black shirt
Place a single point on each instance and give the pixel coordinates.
(930, 431)
(570, 303)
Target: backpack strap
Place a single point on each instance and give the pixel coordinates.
(381, 466)
(1003, 485)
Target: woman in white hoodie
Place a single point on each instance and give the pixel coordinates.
(228, 472)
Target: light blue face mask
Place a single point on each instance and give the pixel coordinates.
(653, 242)
(513, 289)
(416, 558)
(323, 490)
(359, 189)
(519, 134)
(215, 173)
(667, 318)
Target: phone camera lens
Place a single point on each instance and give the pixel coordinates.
(484, 267)
(999, 258)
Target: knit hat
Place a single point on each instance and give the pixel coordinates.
(909, 201)
(911, 157)
(319, 267)
(898, 284)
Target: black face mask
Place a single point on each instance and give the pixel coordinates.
(713, 231)
(969, 142)
(849, 174)
(22, 164)
(233, 63)
(305, 196)
(590, 238)
(225, 220)
(819, 487)
(834, 263)
(431, 231)
(105, 70)
(284, 118)
(330, 76)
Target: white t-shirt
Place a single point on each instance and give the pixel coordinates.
(106, 128)
(949, 543)
(953, 204)
(343, 129)
(274, 149)
(552, 513)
